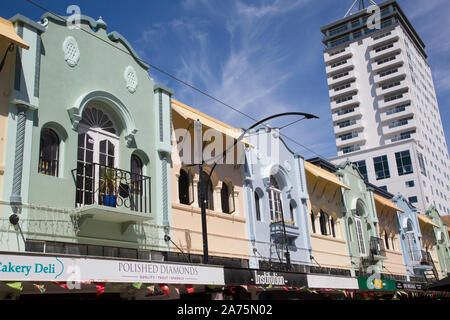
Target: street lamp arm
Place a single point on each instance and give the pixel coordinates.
(224, 153)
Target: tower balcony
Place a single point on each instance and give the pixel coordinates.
(406, 125)
(384, 38)
(351, 112)
(390, 75)
(385, 50)
(401, 112)
(359, 139)
(344, 102)
(393, 101)
(339, 78)
(353, 125)
(397, 87)
(335, 55)
(343, 90)
(390, 62)
(340, 66)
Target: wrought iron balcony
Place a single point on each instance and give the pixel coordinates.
(112, 194)
(377, 248)
(278, 230)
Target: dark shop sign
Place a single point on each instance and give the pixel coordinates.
(264, 278)
(409, 285)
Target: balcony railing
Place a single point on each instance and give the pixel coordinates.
(376, 246)
(98, 184)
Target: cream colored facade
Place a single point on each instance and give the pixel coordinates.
(330, 249)
(7, 37)
(429, 242)
(388, 228)
(226, 231)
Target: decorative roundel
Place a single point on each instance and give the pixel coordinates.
(71, 51)
(130, 79)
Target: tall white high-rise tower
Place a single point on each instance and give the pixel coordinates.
(385, 113)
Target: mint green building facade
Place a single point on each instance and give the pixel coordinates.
(81, 103)
(361, 222)
(442, 241)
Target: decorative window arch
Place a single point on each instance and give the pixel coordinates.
(209, 196)
(227, 197)
(185, 187)
(93, 117)
(49, 152)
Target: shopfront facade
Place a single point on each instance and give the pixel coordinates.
(276, 203)
(88, 144)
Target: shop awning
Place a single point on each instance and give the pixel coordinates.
(190, 113)
(8, 34)
(386, 202)
(426, 220)
(324, 174)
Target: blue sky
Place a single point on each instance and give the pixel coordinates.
(262, 57)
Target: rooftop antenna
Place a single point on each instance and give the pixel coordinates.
(361, 5)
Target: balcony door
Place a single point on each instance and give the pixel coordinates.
(98, 145)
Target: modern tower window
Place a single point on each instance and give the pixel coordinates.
(381, 167)
(361, 165)
(410, 184)
(413, 199)
(404, 163)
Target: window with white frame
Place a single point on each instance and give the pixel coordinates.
(275, 200)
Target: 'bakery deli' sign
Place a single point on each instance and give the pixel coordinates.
(52, 268)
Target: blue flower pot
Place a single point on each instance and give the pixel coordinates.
(109, 200)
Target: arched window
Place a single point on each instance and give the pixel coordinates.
(360, 235)
(227, 198)
(49, 153)
(209, 195)
(275, 203)
(185, 187)
(323, 219)
(386, 240)
(412, 243)
(257, 206)
(292, 208)
(136, 182)
(332, 224)
(313, 222)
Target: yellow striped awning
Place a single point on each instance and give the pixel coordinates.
(7, 32)
(426, 220)
(324, 174)
(188, 112)
(386, 202)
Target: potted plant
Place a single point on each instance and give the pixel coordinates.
(108, 175)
